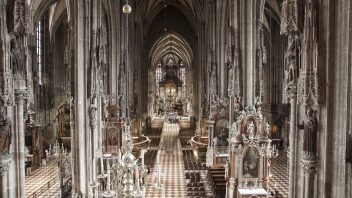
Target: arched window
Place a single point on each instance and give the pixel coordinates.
(38, 40)
(158, 74)
(182, 73)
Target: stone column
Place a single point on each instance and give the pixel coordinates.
(80, 161)
(234, 161)
(292, 93)
(5, 161)
(248, 45)
(210, 150)
(94, 141)
(309, 173)
(19, 160)
(232, 188)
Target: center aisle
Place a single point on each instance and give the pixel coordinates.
(171, 166)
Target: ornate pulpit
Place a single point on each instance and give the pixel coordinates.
(218, 133)
(250, 155)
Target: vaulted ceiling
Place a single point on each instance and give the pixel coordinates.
(171, 42)
(147, 10)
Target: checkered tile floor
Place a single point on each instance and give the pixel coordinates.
(280, 174)
(171, 167)
(41, 177)
(53, 192)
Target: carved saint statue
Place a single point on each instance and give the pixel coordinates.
(17, 57)
(93, 113)
(237, 104)
(215, 142)
(212, 79)
(310, 126)
(290, 56)
(5, 132)
(234, 131)
(250, 130)
(267, 130)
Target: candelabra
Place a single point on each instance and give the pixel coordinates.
(64, 167)
(54, 151)
(125, 175)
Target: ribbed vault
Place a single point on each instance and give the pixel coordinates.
(171, 42)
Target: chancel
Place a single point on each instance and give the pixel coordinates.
(176, 98)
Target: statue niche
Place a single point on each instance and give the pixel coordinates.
(250, 128)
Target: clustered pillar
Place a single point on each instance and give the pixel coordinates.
(5, 162)
(18, 155)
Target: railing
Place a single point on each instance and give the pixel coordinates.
(144, 141)
(198, 143)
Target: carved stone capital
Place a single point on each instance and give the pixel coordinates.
(5, 162)
(20, 95)
(210, 123)
(291, 90)
(309, 167)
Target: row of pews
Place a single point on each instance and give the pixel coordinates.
(196, 187)
(216, 178)
(190, 162)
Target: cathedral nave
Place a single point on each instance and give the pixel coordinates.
(175, 98)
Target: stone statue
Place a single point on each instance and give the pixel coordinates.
(93, 113)
(18, 59)
(310, 126)
(5, 131)
(215, 142)
(250, 130)
(237, 104)
(267, 130)
(290, 56)
(234, 131)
